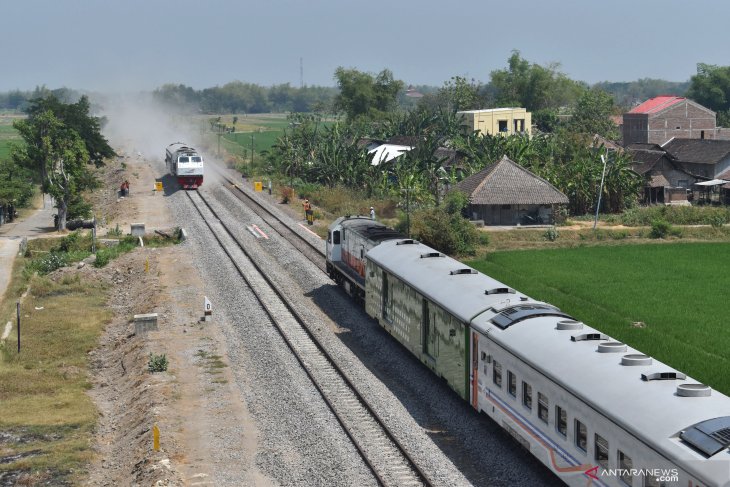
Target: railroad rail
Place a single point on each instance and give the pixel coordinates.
(305, 246)
(389, 461)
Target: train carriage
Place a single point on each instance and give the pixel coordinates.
(185, 164)
(591, 409)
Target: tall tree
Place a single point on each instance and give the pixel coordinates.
(77, 117)
(58, 154)
(61, 140)
(710, 87)
(592, 114)
(533, 86)
(362, 95)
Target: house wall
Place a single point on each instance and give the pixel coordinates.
(511, 214)
(635, 128)
(684, 120)
(517, 120)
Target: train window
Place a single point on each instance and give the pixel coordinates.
(527, 395)
(497, 374)
(542, 407)
(581, 435)
(625, 465)
(197, 159)
(336, 237)
(561, 421)
(601, 451)
(512, 383)
(183, 159)
(650, 481)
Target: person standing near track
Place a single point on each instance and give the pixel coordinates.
(372, 213)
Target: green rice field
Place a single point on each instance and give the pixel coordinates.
(678, 291)
(7, 134)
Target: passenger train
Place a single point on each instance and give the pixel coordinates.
(593, 410)
(185, 164)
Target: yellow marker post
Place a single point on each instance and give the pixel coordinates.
(158, 185)
(258, 186)
(147, 265)
(156, 438)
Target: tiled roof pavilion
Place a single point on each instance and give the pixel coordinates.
(507, 183)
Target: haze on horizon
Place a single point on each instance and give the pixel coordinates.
(140, 45)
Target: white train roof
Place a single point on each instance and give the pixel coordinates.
(649, 408)
(633, 396)
(457, 288)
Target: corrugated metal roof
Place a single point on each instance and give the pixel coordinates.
(387, 152)
(657, 104)
(508, 183)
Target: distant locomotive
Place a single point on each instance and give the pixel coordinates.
(593, 410)
(185, 164)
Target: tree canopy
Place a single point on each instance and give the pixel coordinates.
(364, 95)
(60, 141)
(710, 87)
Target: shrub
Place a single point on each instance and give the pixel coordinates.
(48, 263)
(717, 221)
(551, 234)
(444, 228)
(660, 229)
(157, 363)
(287, 194)
(114, 232)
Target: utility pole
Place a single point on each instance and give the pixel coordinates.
(251, 148)
(408, 210)
(600, 191)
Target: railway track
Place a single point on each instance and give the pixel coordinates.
(384, 455)
(311, 251)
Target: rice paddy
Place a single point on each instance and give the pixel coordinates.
(666, 300)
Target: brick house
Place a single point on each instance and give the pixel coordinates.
(665, 117)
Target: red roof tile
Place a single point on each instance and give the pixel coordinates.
(657, 104)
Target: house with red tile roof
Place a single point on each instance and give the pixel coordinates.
(665, 117)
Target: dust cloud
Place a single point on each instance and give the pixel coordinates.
(139, 126)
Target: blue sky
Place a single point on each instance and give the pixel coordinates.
(130, 45)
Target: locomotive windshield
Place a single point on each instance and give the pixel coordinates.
(183, 159)
(197, 159)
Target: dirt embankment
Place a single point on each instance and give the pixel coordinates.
(196, 396)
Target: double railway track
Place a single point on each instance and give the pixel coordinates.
(389, 461)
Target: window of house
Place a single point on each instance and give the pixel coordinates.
(561, 420)
(497, 374)
(502, 125)
(527, 395)
(683, 183)
(512, 383)
(601, 447)
(702, 134)
(625, 464)
(581, 435)
(542, 407)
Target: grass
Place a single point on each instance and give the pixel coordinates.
(43, 388)
(675, 289)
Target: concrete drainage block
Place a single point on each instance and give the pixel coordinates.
(144, 323)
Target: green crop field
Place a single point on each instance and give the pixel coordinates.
(7, 135)
(677, 290)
